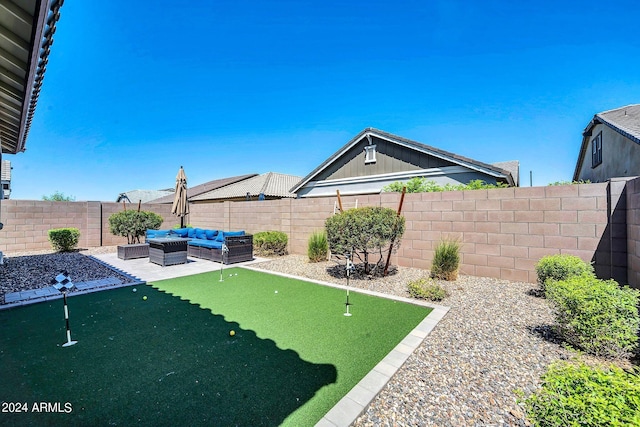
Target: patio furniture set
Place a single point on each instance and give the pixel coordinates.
(170, 247)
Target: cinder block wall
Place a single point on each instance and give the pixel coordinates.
(503, 232)
(27, 222)
(633, 232)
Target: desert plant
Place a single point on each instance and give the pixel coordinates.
(133, 224)
(318, 246)
(427, 288)
(446, 260)
(363, 231)
(574, 394)
(58, 197)
(64, 239)
(597, 316)
(270, 243)
(560, 267)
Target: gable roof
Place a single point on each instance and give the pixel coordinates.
(144, 196)
(624, 120)
(269, 184)
(27, 27)
(207, 186)
(486, 168)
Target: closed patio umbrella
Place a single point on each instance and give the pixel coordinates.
(180, 205)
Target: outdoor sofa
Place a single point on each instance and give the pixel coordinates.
(208, 244)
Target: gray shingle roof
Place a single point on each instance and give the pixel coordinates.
(270, 184)
(625, 120)
(143, 196)
(207, 186)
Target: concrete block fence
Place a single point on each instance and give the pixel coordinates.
(503, 232)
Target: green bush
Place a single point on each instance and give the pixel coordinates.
(427, 289)
(561, 267)
(318, 246)
(423, 185)
(579, 395)
(446, 260)
(64, 239)
(270, 243)
(133, 224)
(595, 315)
(363, 231)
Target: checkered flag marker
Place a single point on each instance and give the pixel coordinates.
(63, 283)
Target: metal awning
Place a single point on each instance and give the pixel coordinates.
(26, 36)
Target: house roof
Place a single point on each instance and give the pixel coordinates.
(144, 196)
(269, 184)
(423, 148)
(624, 120)
(26, 30)
(207, 186)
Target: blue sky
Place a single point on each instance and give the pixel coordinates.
(134, 90)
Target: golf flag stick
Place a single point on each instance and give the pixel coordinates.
(225, 250)
(62, 282)
(349, 267)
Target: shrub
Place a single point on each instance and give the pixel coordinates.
(362, 231)
(318, 246)
(423, 185)
(270, 243)
(133, 224)
(64, 239)
(561, 267)
(579, 395)
(595, 315)
(446, 260)
(427, 289)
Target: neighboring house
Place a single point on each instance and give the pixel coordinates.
(610, 146)
(374, 159)
(267, 186)
(207, 186)
(5, 179)
(143, 196)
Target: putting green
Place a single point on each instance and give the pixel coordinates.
(170, 359)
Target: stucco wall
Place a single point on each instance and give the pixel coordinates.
(620, 156)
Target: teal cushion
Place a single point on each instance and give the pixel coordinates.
(200, 234)
(220, 236)
(191, 232)
(211, 234)
(234, 233)
(180, 232)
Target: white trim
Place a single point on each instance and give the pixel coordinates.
(448, 170)
(369, 154)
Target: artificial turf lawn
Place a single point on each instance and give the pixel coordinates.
(170, 359)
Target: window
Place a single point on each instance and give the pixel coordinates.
(369, 154)
(596, 150)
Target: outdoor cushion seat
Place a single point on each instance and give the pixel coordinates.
(205, 243)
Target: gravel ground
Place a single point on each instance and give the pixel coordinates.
(33, 270)
(490, 344)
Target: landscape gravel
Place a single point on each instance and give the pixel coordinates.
(23, 271)
(493, 342)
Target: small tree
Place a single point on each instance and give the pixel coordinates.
(363, 231)
(58, 197)
(64, 239)
(133, 224)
